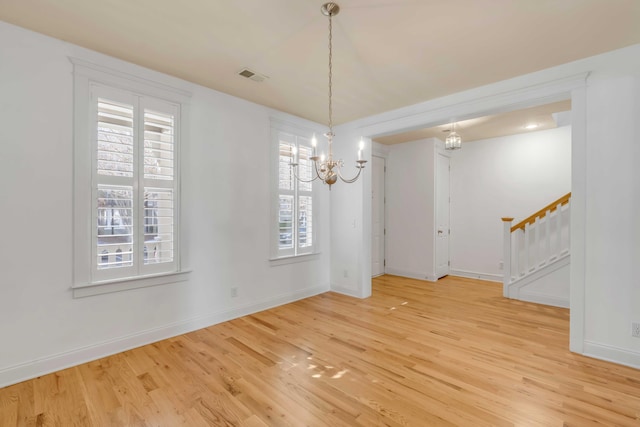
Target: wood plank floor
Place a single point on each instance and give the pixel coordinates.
(414, 354)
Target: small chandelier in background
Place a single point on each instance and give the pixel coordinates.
(326, 168)
(453, 141)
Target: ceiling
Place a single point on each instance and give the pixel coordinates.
(548, 116)
(387, 53)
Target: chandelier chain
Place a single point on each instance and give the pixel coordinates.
(330, 73)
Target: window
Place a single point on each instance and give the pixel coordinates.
(294, 219)
(135, 183)
(127, 138)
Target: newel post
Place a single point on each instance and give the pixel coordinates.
(506, 258)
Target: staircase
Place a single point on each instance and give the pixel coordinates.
(537, 255)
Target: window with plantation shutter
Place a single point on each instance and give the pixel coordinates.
(295, 226)
(134, 184)
(126, 181)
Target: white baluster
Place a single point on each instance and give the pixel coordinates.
(518, 239)
(547, 227)
(506, 255)
(527, 228)
(536, 248)
(559, 230)
(568, 209)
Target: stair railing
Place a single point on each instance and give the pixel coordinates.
(535, 241)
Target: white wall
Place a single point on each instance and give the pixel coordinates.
(410, 220)
(225, 206)
(511, 176)
(351, 219)
(612, 226)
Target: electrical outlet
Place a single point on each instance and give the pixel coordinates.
(501, 265)
(234, 292)
(345, 273)
(635, 329)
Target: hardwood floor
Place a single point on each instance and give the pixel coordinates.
(416, 353)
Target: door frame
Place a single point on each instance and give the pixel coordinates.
(441, 152)
(384, 212)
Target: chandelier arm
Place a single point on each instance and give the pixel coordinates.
(354, 179)
(294, 167)
(315, 166)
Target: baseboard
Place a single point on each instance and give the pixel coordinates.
(545, 299)
(476, 275)
(35, 368)
(346, 291)
(612, 354)
(410, 274)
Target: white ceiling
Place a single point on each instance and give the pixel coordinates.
(387, 53)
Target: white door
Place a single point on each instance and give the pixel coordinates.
(377, 217)
(442, 215)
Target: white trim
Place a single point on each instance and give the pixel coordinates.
(129, 82)
(438, 150)
(464, 105)
(518, 290)
(542, 298)
(514, 287)
(410, 274)
(346, 291)
(380, 154)
(124, 284)
(379, 150)
(476, 275)
(578, 220)
(613, 354)
(298, 126)
(34, 368)
(363, 269)
(294, 258)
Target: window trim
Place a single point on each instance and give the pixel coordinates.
(86, 75)
(276, 256)
(128, 283)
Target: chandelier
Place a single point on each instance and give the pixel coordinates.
(453, 141)
(326, 168)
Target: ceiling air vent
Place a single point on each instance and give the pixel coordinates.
(252, 75)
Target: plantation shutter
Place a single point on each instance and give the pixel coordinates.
(115, 182)
(134, 185)
(286, 197)
(159, 171)
(115, 138)
(305, 200)
(295, 198)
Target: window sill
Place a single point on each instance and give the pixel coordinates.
(291, 259)
(125, 284)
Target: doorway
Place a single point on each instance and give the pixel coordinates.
(443, 229)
